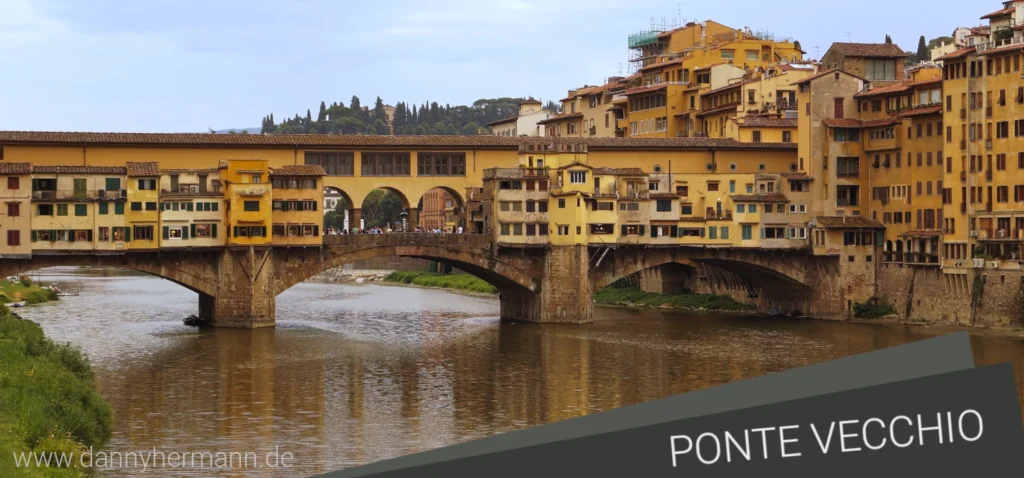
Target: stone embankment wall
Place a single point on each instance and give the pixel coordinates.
(979, 298)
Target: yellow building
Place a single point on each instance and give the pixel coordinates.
(66, 201)
(192, 209)
(15, 210)
(297, 192)
(247, 192)
(143, 215)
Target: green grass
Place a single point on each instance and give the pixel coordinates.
(47, 400)
(32, 294)
(447, 281)
(685, 300)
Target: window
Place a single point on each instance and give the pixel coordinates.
(397, 164)
(143, 233)
(13, 209)
(151, 206)
(756, 136)
(664, 205)
(81, 210)
(846, 135)
(257, 178)
(847, 195)
(563, 230)
(741, 208)
(687, 210)
(335, 164)
(561, 203)
(147, 185)
(251, 206)
(880, 70)
(728, 54)
(849, 167)
(787, 136)
(577, 177)
(203, 230)
(712, 186)
(1003, 129)
(746, 232)
(440, 164)
(62, 209)
(838, 108)
(13, 182)
(13, 237)
(119, 208)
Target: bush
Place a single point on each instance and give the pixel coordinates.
(684, 300)
(872, 309)
(446, 281)
(25, 281)
(40, 296)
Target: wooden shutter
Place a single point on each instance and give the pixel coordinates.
(673, 231)
(167, 232)
(213, 230)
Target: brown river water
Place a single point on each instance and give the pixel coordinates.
(359, 373)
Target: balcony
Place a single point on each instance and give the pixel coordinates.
(593, 130)
(78, 195)
(715, 215)
(252, 191)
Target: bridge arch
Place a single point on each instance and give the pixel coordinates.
(448, 249)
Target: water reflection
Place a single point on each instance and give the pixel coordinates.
(355, 374)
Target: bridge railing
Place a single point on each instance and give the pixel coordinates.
(407, 239)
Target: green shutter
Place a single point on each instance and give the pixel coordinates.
(53, 235)
(119, 208)
(673, 231)
(654, 231)
(167, 233)
(623, 229)
(192, 229)
(213, 230)
(215, 206)
(113, 184)
(35, 236)
(235, 234)
(81, 210)
(71, 235)
(88, 235)
(127, 234)
(184, 233)
(188, 206)
(316, 230)
(641, 229)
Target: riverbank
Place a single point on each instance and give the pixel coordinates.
(24, 290)
(455, 282)
(47, 399)
(634, 297)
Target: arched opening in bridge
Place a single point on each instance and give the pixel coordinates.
(442, 208)
(384, 208)
(338, 210)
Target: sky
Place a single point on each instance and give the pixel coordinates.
(192, 65)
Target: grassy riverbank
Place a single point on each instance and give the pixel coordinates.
(634, 297)
(47, 400)
(464, 282)
(24, 290)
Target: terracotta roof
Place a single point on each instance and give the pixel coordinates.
(868, 50)
(663, 196)
(148, 168)
(314, 141)
(708, 67)
(15, 168)
(664, 63)
(798, 176)
(299, 170)
(768, 197)
(847, 222)
(896, 88)
(692, 219)
(506, 120)
(561, 117)
(1004, 49)
(841, 123)
(765, 122)
(726, 87)
(879, 122)
(79, 169)
(646, 89)
(530, 101)
(825, 73)
(999, 13)
(981, 30)
(927, 110)
(956, 54)
(619, 172)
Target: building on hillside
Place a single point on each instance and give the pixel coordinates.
(66, 202)
(297, 192)
(711, 42)
(531, 112)
(192, 209)
(389, 113)
(983, 215)
(15, 212)
(879, 63)
(248, 197)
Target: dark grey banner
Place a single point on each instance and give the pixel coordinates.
(514, 452)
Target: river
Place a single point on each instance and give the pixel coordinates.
(360, 373)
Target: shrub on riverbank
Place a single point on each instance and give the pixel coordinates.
(635, 296)
(446, 281)
(872, 309)
(30, 293)
(47, 400)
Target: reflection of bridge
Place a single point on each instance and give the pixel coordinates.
(237, 286)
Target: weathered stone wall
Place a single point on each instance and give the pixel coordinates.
(566, 294)
(926, 293)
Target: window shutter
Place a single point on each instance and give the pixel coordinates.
(263, 231)
(641, 229)
(702, 232)
(316, 230)
(673, 231)
(104, 207)
(762, 233)
(235, 231)
(654, 231)
(71, 235)
(215, 206)
(188, 206)
(213, 230)
(88, 235)
(623, 230)
(192, 231)
(167, 232)
(53, 235)
(35, 236)
(593, 206)
(127, 234)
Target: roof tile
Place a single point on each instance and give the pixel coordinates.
(299, 170)
(766, 122)
(868, 50)
(768, 197)
(847, 222)
(149, 168)
(15, 168)
(619, 172)
(79, 169)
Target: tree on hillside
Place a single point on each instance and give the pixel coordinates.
(938, 41)
(382, 208)
(922, 50)
(322, 115)
(888, 39)
(378, 112)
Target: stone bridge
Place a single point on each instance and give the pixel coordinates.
(238, 287)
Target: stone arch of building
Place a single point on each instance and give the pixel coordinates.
(501, 274)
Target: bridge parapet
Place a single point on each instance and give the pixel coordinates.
(409, 239)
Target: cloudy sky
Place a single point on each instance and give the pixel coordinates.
(190, 65)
